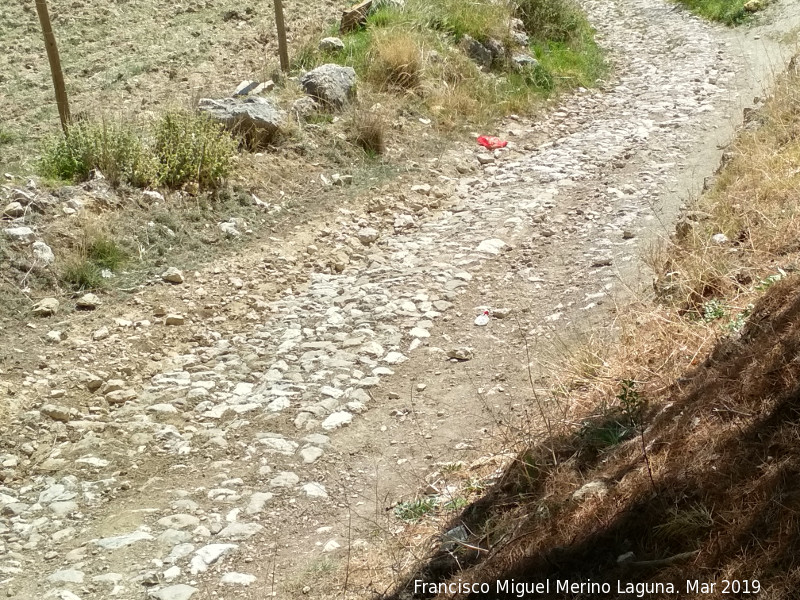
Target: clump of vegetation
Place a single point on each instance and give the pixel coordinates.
(730, 12)
(190, 148)
(183, 148)
(414, 510)
(414, 50)
(115, 149)
(558, 21)
(96, 257)
(370, 132)
(396, 61)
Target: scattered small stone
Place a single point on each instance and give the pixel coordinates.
(462, 353)
(331, 44)
(46, 307)
(42, 253)
(87, 302)
(234, 578)
(172, 275)
(173, 319)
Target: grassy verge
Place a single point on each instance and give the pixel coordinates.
(416, 52)
(730, 12)
(686, 433)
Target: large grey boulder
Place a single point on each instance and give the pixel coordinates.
(332, 86)
(257, 119)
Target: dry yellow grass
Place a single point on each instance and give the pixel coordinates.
(396, 59)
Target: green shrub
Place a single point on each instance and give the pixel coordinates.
(82, 274)
(190, 148)
(551, 20)
(105, 253)
(6, 136)
(114, 149)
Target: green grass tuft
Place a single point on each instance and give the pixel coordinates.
(730, 12)
(414, 510)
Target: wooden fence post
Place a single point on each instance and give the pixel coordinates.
(55, 64)
(283, 51)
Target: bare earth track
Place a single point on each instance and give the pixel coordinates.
(227, 470)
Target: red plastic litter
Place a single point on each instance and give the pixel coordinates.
(491, 142)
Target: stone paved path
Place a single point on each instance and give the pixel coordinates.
(180, 476)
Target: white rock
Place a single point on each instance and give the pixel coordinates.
(100, 334)
(331, 546)
(208, 555)
(284, 479)
(395, 358)
(66, 576)
(239, 531)
(257, 502)
(720, 239)
(172, 275)
(336, 420)
(368, 235)
(171, 574)
(43, 253)
(45, 307)
(93, 461)
(234, 578)
(180, 591)
(311, 454)
(491, 246)
(331, 44)
(120, 541)
(315, 490)
(20, 234)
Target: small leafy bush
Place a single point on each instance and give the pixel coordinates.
(190, 148)
(114, 149)
(414, 510)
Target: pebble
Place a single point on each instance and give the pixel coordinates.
(172, 275)
(180, 591)
(46, 307)
(234, 578)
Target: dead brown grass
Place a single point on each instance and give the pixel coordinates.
(753, 203)
(370, 130)
(396, 60)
